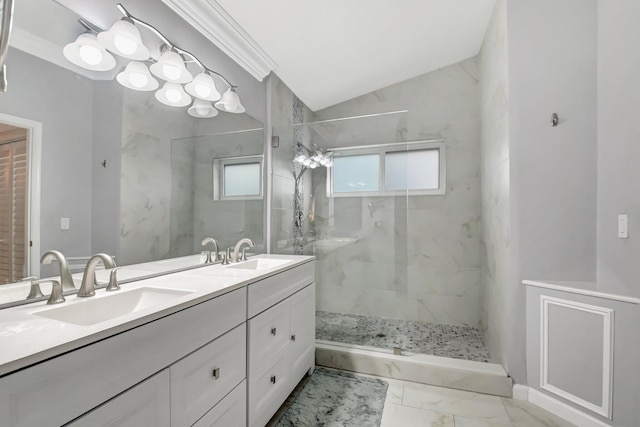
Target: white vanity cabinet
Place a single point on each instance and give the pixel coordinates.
(65, 387)
(281, 339)
(227, 361)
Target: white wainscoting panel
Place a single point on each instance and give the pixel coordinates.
(604, 321)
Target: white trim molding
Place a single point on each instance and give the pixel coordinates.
(213, 22)
(33, 209)
(605, 409)
(564, 411)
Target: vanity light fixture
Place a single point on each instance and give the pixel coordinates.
(136, 76)
(203, 87)
(202, 109)
(230, 102)
(123, 39)
(87, 53)
(173, 95)
(170, 67)
(91, 51)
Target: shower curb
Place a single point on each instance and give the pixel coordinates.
(468, 375)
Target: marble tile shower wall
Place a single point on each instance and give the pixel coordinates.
(230, 220)
(145, 190)
(409, 258)
(282, 117)
(495, 182)
(166, 201)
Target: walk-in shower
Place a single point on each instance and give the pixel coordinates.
(394, 224)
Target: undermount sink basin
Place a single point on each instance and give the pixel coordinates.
(260, 264)
(96, 310)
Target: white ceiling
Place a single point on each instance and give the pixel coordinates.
(331, 51)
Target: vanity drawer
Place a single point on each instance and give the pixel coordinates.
(204, 377)
(230, 412)
(268, 336)
(268, 292)
(146, 404)
(268, 391)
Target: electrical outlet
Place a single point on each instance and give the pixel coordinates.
(64, 223)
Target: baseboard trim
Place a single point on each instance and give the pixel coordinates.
(520, 392)
(556, 407)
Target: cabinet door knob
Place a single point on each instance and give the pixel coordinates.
(293, 337)
(273, 331)
(216, 373)
(273, 379)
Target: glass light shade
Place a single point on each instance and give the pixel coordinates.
(137, 77)
(87, 53)
(230, 102)
(173, 95)
(202, 109)
(203, 87)
(170, 67)
(123, 38)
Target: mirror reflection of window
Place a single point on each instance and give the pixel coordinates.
(238, 178)
(13, 203)
(242, 179)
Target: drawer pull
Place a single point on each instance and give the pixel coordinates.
(293, 337)
(273, 331)
(273, 379)
(216, 373)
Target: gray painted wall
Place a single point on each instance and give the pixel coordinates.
(618, 149)
(553, 178)
(63, 102)
(107, 136)
(495, 184)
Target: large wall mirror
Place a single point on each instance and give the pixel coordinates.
(118, 172)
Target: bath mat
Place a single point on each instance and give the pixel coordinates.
(336, 399)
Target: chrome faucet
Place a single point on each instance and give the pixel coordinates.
(87, 289)
(65, 275)
(215, 248)
(236, 250)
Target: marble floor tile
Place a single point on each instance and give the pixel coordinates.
(473, 422)
(455, 402)
(525, 414)
(458, 342)
(404, 416)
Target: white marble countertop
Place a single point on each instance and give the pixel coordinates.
(26, 338)
(581, 288)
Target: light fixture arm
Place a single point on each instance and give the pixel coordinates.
(166, 41)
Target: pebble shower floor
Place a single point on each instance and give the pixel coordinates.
(458, 342)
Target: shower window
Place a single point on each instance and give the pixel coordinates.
(237, 178)
(414, 168)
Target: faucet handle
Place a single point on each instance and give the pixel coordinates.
(56, 293)
(34, 291)
(229, 255)
(113, 281)
(225, 258)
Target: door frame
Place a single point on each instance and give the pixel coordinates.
(34, 147)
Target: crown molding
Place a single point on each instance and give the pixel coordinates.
(212, 21)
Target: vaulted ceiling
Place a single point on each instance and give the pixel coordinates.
(330, 51)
